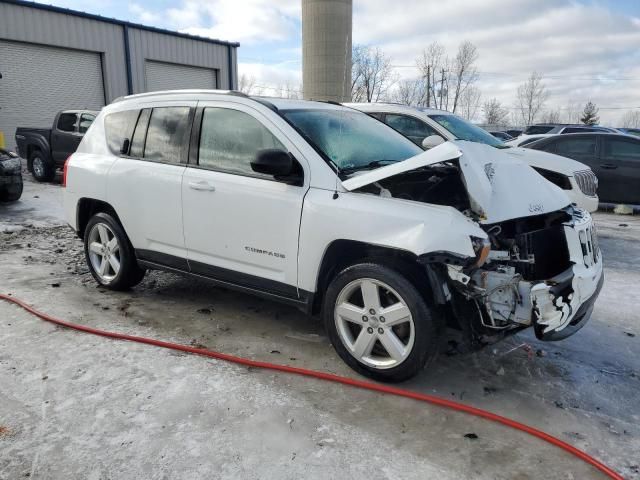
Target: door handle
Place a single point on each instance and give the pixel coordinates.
(203, 186)
(608, 166)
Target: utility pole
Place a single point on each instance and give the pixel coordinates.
(441, 87)
(428, 86)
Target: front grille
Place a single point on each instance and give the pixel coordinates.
(587, 181)
(589, 244)
(548, 247)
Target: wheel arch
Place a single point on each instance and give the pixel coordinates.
(342, 253)
(87, 208)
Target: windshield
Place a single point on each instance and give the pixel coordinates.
(464, 130)
(351, 140)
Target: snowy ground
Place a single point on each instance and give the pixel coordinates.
(77, 406)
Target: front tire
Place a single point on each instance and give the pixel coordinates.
(379, 323)
(41, 167)
(109, 254)
(12, 193)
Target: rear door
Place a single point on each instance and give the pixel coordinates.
(145, 183)
(65, 137)
(241, 226)
(619, 163)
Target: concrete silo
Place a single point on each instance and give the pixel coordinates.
(326, 49)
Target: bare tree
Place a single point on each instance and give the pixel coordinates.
(430, 63)
(551, 116)
(286, 90)
(631, 119)
(572, 112)
(464, 72)
(469, 102)
(532, 96)
(246, 83)
(410, 92)
(371, 74)
(494, 112)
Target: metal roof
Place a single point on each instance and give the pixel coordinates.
(100, 18)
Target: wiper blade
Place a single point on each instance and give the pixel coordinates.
(367, 166)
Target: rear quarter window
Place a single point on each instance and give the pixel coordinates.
(118, 127)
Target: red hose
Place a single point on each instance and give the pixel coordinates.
(332, 378)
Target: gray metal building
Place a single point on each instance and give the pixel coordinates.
(53, 59)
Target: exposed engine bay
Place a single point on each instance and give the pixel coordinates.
(439, 184)
(538, 271)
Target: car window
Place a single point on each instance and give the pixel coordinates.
(576, 146)
(349, 139)
(230, 140)
(140, 134)
(464, 130)
(376, 115)
(67, 122)
(580, 130)
(86, 119)
(409, 126)
(621, 149)
(118, 127)
(538, 129)
(527, 141)
(167, 135)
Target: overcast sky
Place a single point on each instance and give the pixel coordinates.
(586, 50)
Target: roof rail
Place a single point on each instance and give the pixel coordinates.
(235, 93)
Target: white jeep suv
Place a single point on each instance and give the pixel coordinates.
(325, 208)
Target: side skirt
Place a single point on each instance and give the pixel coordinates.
(257, 286)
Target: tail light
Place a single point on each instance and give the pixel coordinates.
(64, 171)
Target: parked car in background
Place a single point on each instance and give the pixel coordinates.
(46, 149)
(425, 124)
(514, 132)
(631, 131)
(10, 176)
(322, 207)
(523, 139)
(614, 158)
(502, 136)
(563, 128)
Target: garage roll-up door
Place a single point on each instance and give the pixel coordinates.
(169, 76)
(38, 81)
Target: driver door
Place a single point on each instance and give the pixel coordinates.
(240, 226)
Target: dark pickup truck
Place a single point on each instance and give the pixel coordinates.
(46, 149)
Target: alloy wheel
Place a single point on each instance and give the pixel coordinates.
(374, 323)
(104, 252)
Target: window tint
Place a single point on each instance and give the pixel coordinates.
(118, 126)
(622, 149)
(67, 122)
(139, 134)
(376, 115)
(576, 146)
(167, 134)
(85, 122)
(527, 141)
(409, 126)
(230, 140)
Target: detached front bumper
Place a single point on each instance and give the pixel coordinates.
(563, 304)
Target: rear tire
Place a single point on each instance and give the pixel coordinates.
(110, 255)
(41, 167)
(379, 323)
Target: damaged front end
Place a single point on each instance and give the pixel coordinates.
(543, 271)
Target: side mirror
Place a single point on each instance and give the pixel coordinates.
(273, 161)
(432, 141)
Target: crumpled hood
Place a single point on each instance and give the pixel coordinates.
(500, 186)
(546, 160)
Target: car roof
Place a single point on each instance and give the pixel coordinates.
(195, 95)
(393, 107)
